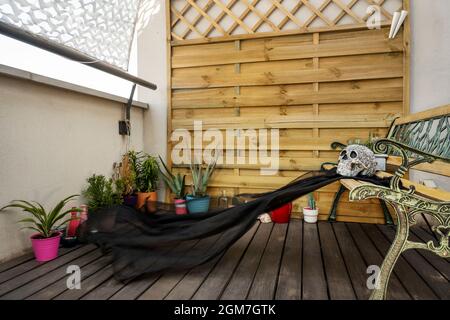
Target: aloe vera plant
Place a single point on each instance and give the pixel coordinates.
(200, 178)
(175, 183)
(43, 221)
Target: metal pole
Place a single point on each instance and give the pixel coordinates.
(37, 41)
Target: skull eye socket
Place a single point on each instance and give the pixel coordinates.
(353, 154)
(344, 155)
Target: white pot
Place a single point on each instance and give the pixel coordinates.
(381, 161)
(309, 215)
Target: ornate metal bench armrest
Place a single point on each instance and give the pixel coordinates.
(386, 145)
(407, 207)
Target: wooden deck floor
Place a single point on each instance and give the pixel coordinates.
(295, 261)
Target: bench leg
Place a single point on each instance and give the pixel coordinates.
(397, 247)
(387, 214)
(337, 198)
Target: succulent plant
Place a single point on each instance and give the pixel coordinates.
(176, 183)
(200, 178)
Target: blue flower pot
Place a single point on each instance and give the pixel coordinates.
(197, 205)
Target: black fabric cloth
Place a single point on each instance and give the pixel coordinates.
(155, 239)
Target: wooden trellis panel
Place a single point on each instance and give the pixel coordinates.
(333, 84)
(207, 19)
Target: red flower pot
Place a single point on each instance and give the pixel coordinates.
(282, 214)
(45, 249)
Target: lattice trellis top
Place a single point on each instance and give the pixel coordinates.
(203, 19)
(103, 29)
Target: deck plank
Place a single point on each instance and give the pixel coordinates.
(212, 287)
(30, 265)
(372, 256)
(134, 289)
(162, 287)
(290, 278)
(16, 261)
(413, 283)
(439, 263)
(314, 281)
(87, 285)
(105, 291)
(339, 284)
(51, 277)
(264, 284)
(43, 269)
(270, 261)
(60, 286)
(241, 280)
(188, 286)
(354, 261)
(434, 279)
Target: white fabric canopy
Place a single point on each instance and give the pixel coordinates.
(102, 29)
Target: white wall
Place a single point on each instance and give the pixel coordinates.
(51, 140)
(152, 65)
(430, 54)
(430, 63)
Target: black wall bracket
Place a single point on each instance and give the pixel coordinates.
(125, 125)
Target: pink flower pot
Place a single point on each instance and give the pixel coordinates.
(180, 206)
(45, 249)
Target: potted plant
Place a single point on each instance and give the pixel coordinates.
(102, 192)
(125, 175)
(46, 241)
(198, 201)
(176, 184)
(147, 181)
(311, 212)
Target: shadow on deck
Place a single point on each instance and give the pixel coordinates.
(272, 261)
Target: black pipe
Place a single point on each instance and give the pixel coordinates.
(59, 49)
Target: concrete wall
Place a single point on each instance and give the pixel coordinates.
(51, 140)
(430, 64)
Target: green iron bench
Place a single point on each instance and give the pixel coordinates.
(421, 141)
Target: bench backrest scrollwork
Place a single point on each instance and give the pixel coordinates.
(419, 138)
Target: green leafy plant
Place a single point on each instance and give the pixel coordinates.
(200, 178)
(311, 201)
(43, 221)
(102, 192)
(175, 183)
(147, 173)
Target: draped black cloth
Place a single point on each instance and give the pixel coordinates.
(155, 239)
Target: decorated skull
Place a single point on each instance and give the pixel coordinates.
(355, 160)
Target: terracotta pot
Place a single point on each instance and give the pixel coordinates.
(180, 206)
(143, 197)
(45, 249)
